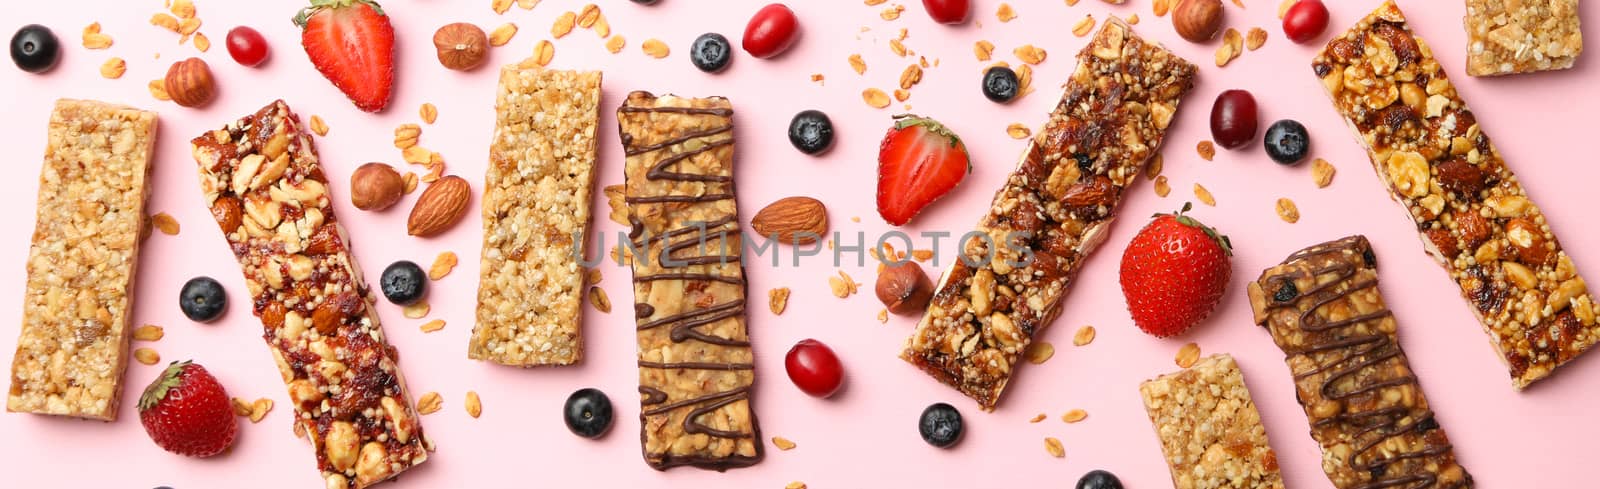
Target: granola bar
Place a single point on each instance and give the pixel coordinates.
(1210, 431)
(535, 203)
(264, 186)
(1474, 216)
(1363, 402)
(695, 361)
(73, 346)
(1521, 36)
(1053, 211)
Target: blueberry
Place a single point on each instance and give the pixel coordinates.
(202, 299)
(1099, 479)
(588, 413)
(940, 425)
(1287, 142)
(34, 48)
(645, 2)
(811, 132)
(711, 52)
(403, 283)
(1000, 84)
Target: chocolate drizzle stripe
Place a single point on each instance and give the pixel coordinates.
(686, 137)
(689, 276)
(717, 111)
(666, 408)
(696, 366)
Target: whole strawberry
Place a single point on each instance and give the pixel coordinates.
(352, 43)
(1173, 273)
(186, 412)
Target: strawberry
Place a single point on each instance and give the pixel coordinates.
(1173, 273)
(186, 412)
(919, 161)
(352, 44)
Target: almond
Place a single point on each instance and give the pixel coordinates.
(794, 220)
(439, 207)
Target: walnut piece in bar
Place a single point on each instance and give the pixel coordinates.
(1521, 36)
(1210, 431)
(1475, 217)
(267, 191)
(73, 347)
(1057, 205)
(535, 204)
(695, 362)
(1364, 404)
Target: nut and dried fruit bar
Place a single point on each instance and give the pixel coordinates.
(1521, 36)
(1474, 216)
(1364, 403)
(695, 360)
(73, 346)
(1211, 434)
(1059, 204)
(269, 195)
(535, 204)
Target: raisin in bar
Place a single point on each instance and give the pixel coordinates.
(1210, 431)
(74, 342)
(1474, 216)
(535, 215)
(1057, 206)
(695, 361)
(264, 186)
(1363, 402)
(1521, 36)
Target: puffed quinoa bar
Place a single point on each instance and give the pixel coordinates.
(1521, 36)
(535, 204)
(1058, 204)
(1474, 216)
(1210, 431)
(1364, 403)
(264, 186)
(695, 360)
(73, 346)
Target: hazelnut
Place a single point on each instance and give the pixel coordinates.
(189, 83)
(375, 187)
(462, 46)
(1197, 20)
(904, 288)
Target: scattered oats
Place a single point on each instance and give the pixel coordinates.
(1283, 8)
(146, 356)
(318, 126)
(1037, 418)
(94, 39)
(241, 407)
(165, 223)
(782, 443)
(1225, 53)
(503, 34)
(597, 297)
(418, 310)
(983, 50)
(901, 95)
(164, 21)
(873, 3)
(432, 326)
(1161, 186)
(1322, 172)
(1018, 131)
(910, 76)
(113, 68)
(816, 77)
(1029, 54)
(429, 403)
(1005, 13)
(1153, 169)
(602, 27)
(588, 16)
(615, 43)
(1160, 7)
(1187, 355)
(883, 314)
(897, 47)
(1074, 416)
(148, 332)
(474, 404)
(655, 48)
(1255, 38)
(1232, 37)
(795, 485)
(259, 409)
(892, 13)
(527, 4)
(592, 277)
(618, 203)
(1072, 2)
(1039, 351)
(188, 26)
(410, 180)
(543, 52)
(1024, 80)
(428, 113)
(1084, 336)
(921, 255)
(902, 34)
(442, 265)
(1083, 27)
(778, 300)
(405, 135)
(563, 25)
(839, 288)
(1204, 195)
(856, 63)
(417, 155)
(875, 98)
(1053, 446)
(1288, 211)
(1207, 149)
(500, 6)
(183, 8)
(1238, 3)
(201, 42)
(1133, 19)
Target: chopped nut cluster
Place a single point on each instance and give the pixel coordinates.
(1522, 36)
(1209, 428)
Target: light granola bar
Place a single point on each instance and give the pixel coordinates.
(695, 361)
(1521, 36)
(535, 202)
(1210, 431)
(1474, 216)
(73, 346)
(1057, 206)
(264, 186)
(1364, 404)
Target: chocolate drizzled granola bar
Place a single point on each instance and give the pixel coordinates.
(1474, 216)
(535, 202)
(264, 186)
(1210, 431)
(73, 346)
(1521, 36)
(1364, 403)
(695, 361)
(1059, 203)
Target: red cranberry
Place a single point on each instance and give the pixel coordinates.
(1305, 20)
(814, 368)
(1233, 119)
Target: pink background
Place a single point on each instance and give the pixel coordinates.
(864, 437)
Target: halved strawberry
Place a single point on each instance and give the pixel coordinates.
(352, 43)
(919, 161)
